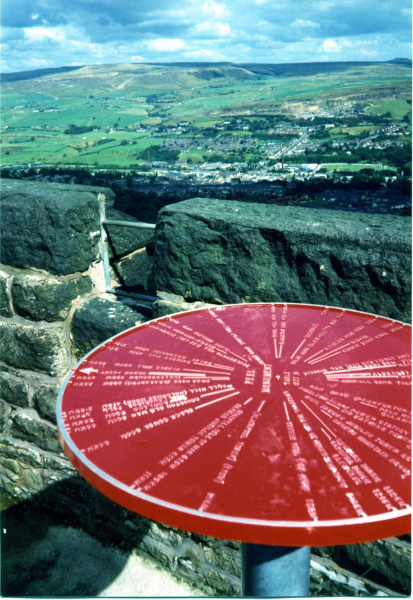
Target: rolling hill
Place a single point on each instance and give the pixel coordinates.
(93, 114)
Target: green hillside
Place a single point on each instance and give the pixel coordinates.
(120, 110)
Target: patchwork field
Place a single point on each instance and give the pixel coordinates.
(108, 115)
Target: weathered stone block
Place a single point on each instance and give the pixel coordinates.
(14, 391)
(391, 558)
(74, 493)
(136, 269)
(4, 416)
(33, 347)
(6, 309)
(48, 226)
(19, 483)
(43, 299)
(59, 472)
(15, 450)
(98, 319)
(44, 401)
(25, 426)
(168, 304)
(229, 252)
(124, 240)
(53, 463)
(166, 535)
(328, 579)
(162, 554)
(225, 558)
(227, 584)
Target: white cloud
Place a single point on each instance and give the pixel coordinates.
(84, 31)
(360, 46)
(213, 8)
(365, 52)
(37, 34)
(263, 25)
(305, 23)
(203, 53)
(165, 45)
(37, 63)
(84, 47)
(262, 39)
(222, 29)
(330, 45)
(324, 6)
(217, 29)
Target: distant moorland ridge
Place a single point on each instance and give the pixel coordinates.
(274, 69)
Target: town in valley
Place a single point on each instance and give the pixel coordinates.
(332, 135)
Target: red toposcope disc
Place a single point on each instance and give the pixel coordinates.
(275, 424)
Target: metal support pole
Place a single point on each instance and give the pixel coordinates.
(278, 571)
(104, 247)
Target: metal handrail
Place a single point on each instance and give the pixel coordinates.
(105, 251)
(137, 224)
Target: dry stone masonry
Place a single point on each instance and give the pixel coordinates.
(229, 252)
(55, 309)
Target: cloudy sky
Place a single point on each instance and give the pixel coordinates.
(54, 33)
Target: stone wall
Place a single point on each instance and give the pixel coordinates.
(229, 252)
(54, 309)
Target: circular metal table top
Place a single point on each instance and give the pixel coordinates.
(277, 424)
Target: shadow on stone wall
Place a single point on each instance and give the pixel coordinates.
(47, 554)
(69, 540)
